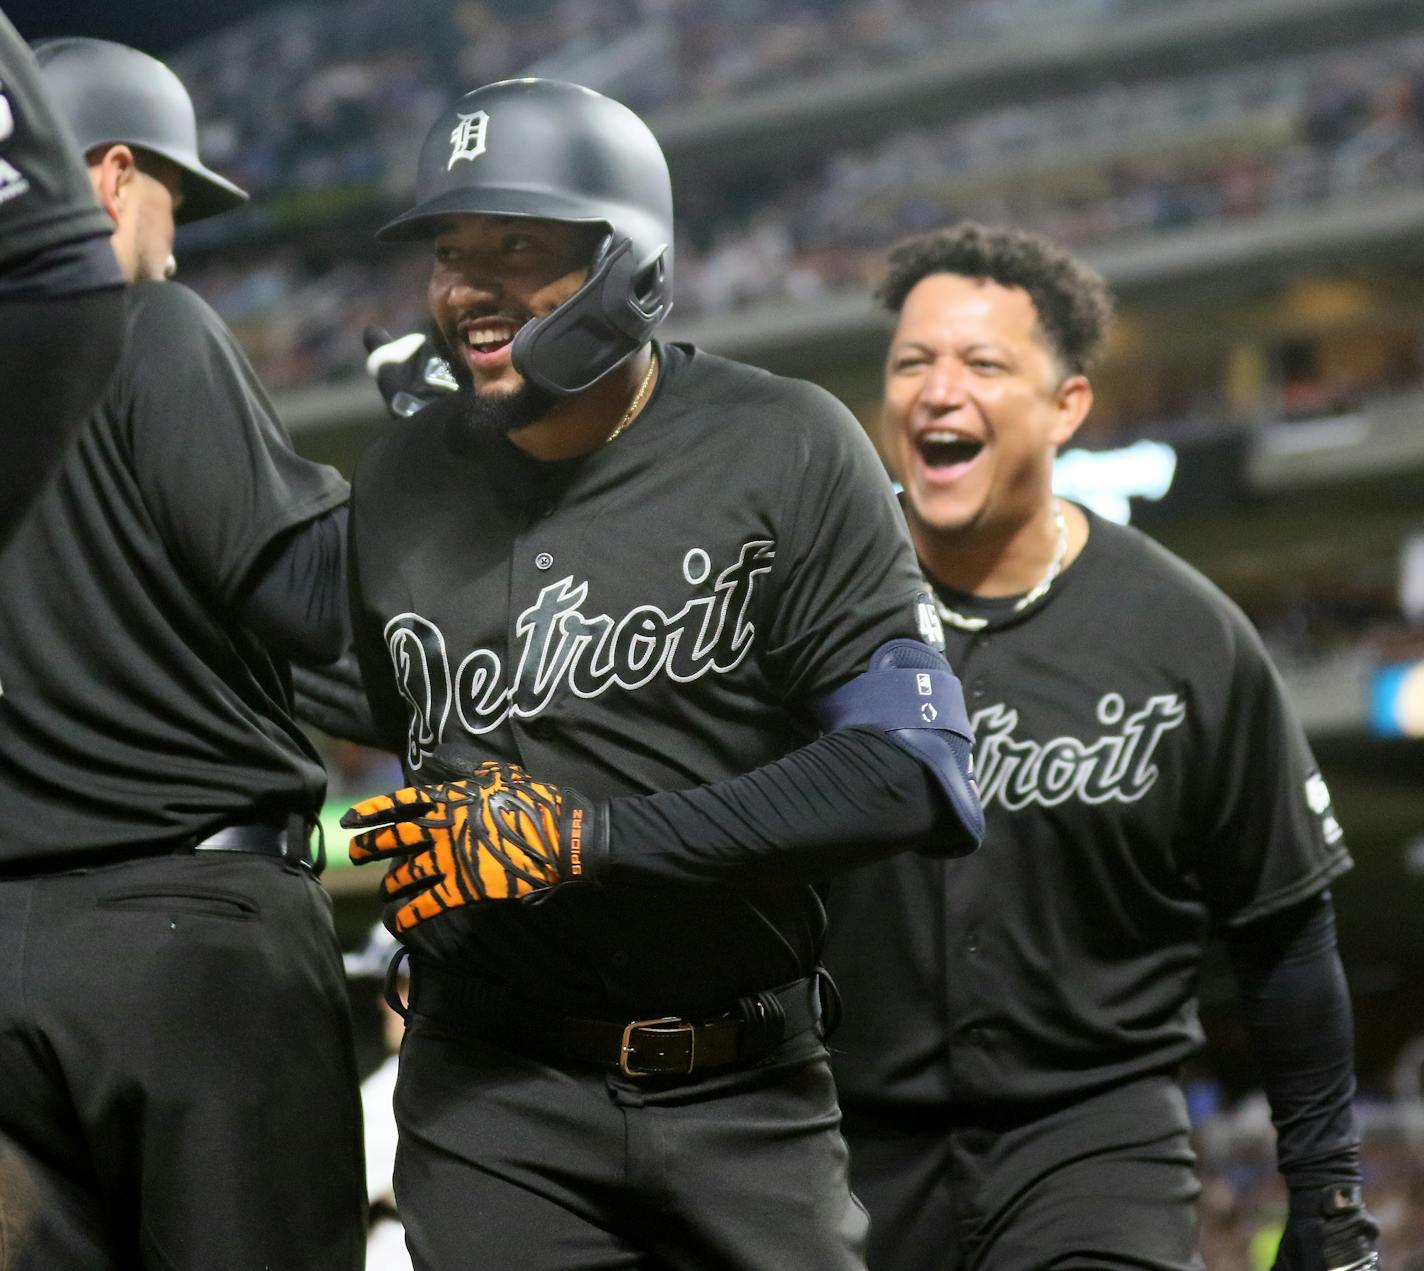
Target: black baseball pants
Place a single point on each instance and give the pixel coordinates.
(177, 1084)
(510, 1163)
(1108, 1181)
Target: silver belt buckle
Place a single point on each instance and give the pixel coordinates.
(666, 1024)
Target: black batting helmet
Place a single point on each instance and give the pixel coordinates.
(109, 94)
(543, 148)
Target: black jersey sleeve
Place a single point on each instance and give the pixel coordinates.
(845, 580)
(1271, 836)
(46, 200)
(217, 469)
(56, 356)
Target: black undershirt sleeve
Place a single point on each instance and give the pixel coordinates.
(1297, 1008)
(297, 603)
(849, 797)
(295, 598)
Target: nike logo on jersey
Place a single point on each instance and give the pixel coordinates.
(1114, 766)
(560, 648)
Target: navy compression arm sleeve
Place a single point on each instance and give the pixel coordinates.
(1297, 1008)
(846, 798)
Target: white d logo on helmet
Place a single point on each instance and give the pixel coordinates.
(467, 140)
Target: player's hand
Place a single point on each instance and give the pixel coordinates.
(1328, 1229)
(408, 372)
(499, 835)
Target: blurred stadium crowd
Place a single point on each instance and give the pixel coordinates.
(347, 89)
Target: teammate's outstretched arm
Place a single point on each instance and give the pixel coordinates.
(61, 309)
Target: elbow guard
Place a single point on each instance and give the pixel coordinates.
(910, 694)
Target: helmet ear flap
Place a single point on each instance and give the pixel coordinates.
(599, 327)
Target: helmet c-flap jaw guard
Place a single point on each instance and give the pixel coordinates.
(599, 327)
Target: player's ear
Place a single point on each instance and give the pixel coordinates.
(111, 172)
(1072, 400)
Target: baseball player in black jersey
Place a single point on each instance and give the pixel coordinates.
(1015, 1019)
(644, 625)
(61, 323)
(175, 1052)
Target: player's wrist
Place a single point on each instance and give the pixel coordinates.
(583, 837)
(1328, 1229)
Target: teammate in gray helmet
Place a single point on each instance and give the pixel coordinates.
(646, 628)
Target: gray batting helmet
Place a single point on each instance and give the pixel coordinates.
(543, 148)
(109, 93)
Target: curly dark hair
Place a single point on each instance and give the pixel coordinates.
(1073, 303)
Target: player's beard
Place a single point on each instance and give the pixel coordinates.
(506, 412)
(495, 412)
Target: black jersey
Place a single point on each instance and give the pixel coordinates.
(655, 615)
(1142, 775)
(45, 195)
(134, 710)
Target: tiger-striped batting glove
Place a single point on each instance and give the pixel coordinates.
(499, 835)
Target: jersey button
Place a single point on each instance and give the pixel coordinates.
(971, 944)
(618, 959)
(543, 561)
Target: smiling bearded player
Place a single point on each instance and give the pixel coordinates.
(644, 624)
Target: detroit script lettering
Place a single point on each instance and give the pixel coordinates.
(560, 648)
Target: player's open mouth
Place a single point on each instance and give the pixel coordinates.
(944, 452)
(486, 339)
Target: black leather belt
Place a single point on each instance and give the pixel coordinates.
(662, 1046)
(287, 841)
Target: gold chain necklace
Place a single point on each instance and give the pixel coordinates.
(636, 402)
(1055, 567)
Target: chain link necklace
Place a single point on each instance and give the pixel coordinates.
(636, 402)
(1060, 551)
